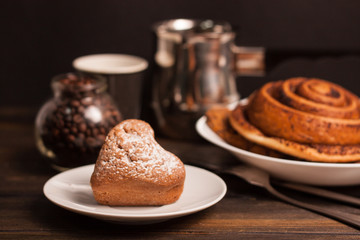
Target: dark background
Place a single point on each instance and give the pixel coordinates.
(40, 38)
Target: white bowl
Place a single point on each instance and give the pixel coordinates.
(313, 173)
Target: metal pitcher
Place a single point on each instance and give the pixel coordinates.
(196, 63)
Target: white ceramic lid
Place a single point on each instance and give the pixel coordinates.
(110, 63)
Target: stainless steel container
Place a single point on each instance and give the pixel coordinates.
(196, 63)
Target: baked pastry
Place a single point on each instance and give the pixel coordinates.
(311, 119)
(217, 118)
(132, 169)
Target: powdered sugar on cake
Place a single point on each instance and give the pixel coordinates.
(130, 151)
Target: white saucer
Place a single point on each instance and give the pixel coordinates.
(71, 190)
(313, 173)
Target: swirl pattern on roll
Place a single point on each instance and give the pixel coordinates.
(303, 110)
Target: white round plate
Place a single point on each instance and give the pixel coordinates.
(71, 190)
(313, 173)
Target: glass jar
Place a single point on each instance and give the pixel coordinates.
(71, 127)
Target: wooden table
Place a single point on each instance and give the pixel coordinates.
(246, 212)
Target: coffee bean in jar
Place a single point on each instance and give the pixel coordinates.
(71, 127)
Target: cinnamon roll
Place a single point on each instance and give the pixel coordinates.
(217, 118)
(312, 119)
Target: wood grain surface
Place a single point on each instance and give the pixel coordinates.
(246, 212)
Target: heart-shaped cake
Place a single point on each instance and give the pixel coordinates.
(134, 170)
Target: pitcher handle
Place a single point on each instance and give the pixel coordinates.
(249, 61)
